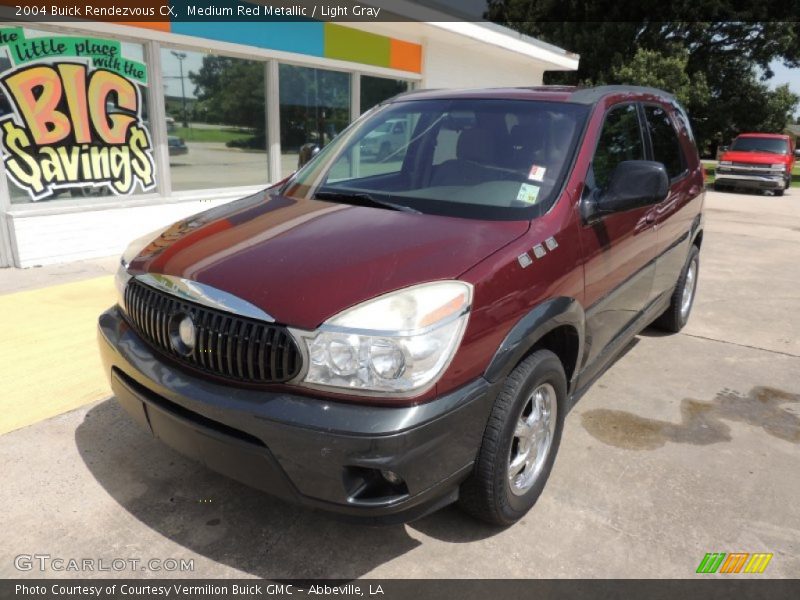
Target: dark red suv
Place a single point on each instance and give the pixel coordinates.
(383, 334)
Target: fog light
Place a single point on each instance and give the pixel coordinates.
(182, 334)
(392, 477)
(186, 331)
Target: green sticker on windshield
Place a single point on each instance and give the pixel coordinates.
(528, 193)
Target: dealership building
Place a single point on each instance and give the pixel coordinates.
(112, 130)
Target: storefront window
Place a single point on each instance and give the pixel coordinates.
(216, 120)
(315, 106)
(375, 90)
(73, 116)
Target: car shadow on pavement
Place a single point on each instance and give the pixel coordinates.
(234, 525)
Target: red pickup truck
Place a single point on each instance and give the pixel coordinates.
(761, 161)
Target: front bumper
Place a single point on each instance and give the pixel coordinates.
(772, 181)
(311, 451)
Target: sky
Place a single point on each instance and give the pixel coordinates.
(786, 75)
(171, 72)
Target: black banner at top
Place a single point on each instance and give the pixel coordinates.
(508, 11)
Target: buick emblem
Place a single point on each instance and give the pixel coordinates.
(182, 334)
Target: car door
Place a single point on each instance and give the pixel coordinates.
(620, 248)
(673, 218)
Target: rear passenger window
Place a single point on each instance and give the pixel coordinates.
(620, 140)
(666, 146)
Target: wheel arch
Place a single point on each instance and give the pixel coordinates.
(557, 325)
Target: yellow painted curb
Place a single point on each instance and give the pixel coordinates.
(49, 362)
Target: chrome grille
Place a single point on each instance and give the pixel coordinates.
(749, 169)
(226, 345)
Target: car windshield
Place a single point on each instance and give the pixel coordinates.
(473, 158)
(759, 144)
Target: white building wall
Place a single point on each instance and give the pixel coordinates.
(57, 238)
(447, 65)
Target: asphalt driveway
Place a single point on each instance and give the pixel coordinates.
(689, 444)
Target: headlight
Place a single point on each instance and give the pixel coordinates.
(396, 344)
(725, 162)
(122, 276)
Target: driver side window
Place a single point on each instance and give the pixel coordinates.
(620, 140)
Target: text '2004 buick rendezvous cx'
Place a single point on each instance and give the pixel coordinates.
(383, 334)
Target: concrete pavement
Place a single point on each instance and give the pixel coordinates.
(689, 444)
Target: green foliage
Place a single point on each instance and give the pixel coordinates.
(229, 91)
(216, 134)
(655, 69)
(716, 62)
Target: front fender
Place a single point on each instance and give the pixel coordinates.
(531, 328)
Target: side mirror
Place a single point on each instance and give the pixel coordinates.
(632, 184)
(307, 152)
(797, 152)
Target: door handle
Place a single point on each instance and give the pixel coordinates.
(650, 218)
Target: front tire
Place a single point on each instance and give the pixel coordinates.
(520, 442)
(680, 307)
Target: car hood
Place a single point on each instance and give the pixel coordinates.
(756, 158)
(303, 261)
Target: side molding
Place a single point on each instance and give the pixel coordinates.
(531, 328)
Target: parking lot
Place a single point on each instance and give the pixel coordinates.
(689, 444)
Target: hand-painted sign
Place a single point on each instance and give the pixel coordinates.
(74, 123)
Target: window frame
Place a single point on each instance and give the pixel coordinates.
(676, 132)
(607, 112)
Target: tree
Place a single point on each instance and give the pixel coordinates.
(230, 91)
(716, 60)
(666, 72)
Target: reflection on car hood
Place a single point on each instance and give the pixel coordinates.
(303, 261)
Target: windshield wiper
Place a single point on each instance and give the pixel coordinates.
(363, 199)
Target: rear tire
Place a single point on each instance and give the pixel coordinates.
(520, 442)
(680, 307)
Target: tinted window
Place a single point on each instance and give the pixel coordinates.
(620, 140)
(757, 144)
(666, 147)
(375, 90)
(315, 107)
